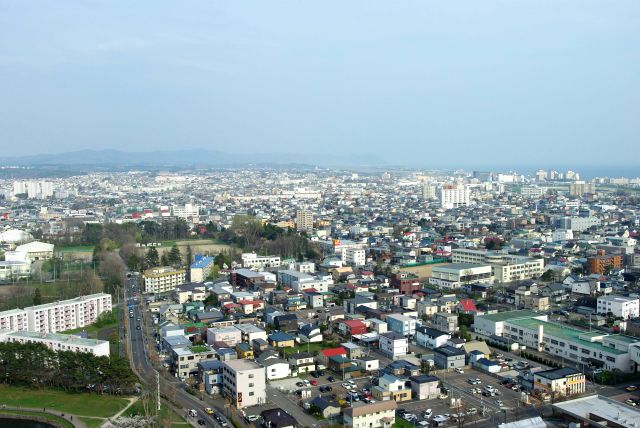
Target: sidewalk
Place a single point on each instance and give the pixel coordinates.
(74, 419)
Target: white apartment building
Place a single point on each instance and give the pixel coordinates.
(504, 267)
(14, 270)
(58, 342)
(619, 306)
(299, 281)
(596, 349)
(354, 257)
(454, 196)
(14, 319)
(186, 211)
(254, 261)
(378, 415)
(243, 381)
(402, 324)
(455, 275)
(33, 189)
(67, 314)
(393, 344)
(163, 279)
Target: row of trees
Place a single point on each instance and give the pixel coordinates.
(249, 233)
(35, 365)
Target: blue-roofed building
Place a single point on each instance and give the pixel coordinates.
(487, 365)
(201, 268)
(280, 339)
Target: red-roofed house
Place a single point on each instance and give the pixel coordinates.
(250, 306)
(351, 327)
(466, 306)
(324, 355)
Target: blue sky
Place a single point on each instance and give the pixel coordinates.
(433, 83)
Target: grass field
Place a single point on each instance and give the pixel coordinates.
(80, 404)
(166, 414)
(51, 418)
(76, 249)
(93, 422)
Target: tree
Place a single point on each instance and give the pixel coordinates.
(174, 258)
(37, 297)
(464, 333)
(547, 275)
(164, 260)
(152, 257)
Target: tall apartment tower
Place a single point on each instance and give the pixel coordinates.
(454, 196)
(304, 220)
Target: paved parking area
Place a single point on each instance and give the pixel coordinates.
(460, 386)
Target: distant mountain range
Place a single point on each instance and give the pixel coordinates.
(186, 158)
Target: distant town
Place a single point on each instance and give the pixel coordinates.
(312, 296)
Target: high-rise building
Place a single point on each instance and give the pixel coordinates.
(33, 189)
(580, 188)
(454, 196)
(428, 191)
(304, 220)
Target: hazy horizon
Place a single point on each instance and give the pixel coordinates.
(417, 83)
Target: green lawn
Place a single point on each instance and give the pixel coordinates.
(93, 422)
(52, 418)
(81, 404)
(166, 414)
(77, 249)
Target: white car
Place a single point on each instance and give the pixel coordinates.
(423, 424)
(253, 418)
(427, 413)
(499, 403)
(346, 385)
(459, 370)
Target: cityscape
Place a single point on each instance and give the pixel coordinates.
(313, 215)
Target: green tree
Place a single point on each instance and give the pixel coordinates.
(37, 297)
(174, 258)
(152, 257)
(164, 260)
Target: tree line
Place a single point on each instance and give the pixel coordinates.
(35, 365)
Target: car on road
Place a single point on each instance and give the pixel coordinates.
(631, 388)
(209, 411)
(252, 418)
(300, 384)
(499, 403)
(472, 411)
(137, 327)
(474, 381)
(193, 413)
(201, 422)
(346, 385)
(630, 402)
(459, 370)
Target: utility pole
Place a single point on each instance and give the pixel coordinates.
(158, 388)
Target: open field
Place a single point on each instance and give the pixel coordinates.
(166, 414)
(202, 246)
(77, 404)
(21, 295)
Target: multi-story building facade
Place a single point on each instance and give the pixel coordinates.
(604, 263)
(244, 383)
(402, 324)
(431, 338)
(163, 279)
(595, 348)
(454, 196)
(455, 275)
(201, 268)
(254, 261)
(184, 360)
(14, 319)
(304, 220)
(504, 267)
(393, 344)
(619, 306)
(354, 257)
(445, 321)
(67, 314)
(58, 342)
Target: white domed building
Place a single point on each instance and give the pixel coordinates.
(15, 237)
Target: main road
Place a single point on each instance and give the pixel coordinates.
(142, 365)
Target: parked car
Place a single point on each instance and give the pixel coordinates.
(427, 413)
(314, 382)
(459, 370)
(331, 379)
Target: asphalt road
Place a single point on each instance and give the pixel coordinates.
(147, 372)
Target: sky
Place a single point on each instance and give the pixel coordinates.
(418, 82)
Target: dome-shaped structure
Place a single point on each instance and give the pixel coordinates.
(15, 236)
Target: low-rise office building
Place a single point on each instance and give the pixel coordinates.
(619, 306)
(449, 357)
(378, 415)
(564, 381)
(244, 383)
(455, 275)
